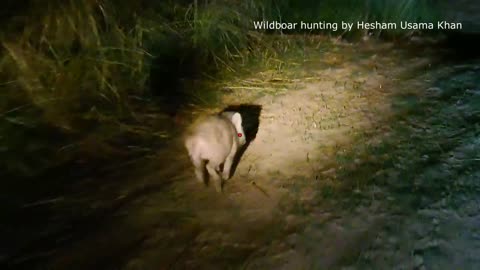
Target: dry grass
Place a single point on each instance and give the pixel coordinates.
(69, 61)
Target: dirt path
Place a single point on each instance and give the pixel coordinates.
(310, 191)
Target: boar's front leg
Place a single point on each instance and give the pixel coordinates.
(227, 166)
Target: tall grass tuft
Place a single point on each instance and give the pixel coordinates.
(64, 63)
(73, 56)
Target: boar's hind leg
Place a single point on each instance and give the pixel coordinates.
(215, 176)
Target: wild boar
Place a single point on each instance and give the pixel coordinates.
(213, 141)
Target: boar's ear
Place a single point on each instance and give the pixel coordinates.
(237, 120)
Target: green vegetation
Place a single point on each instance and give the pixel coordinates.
(76, 75)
